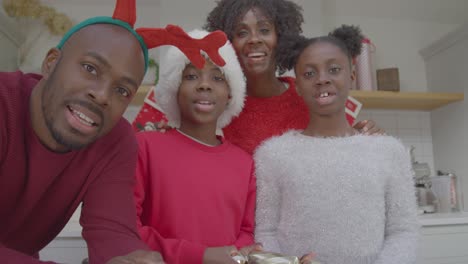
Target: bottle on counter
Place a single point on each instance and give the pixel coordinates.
(454, 189)
(365, 73)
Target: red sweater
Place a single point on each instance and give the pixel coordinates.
(261, 118)
(190, 196)
(40, 189)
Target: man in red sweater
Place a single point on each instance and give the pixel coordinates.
(63, 141)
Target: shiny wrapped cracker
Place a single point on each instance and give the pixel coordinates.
(271, 258)
(239, 258)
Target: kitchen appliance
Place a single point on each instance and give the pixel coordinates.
(427, 200)
(441, 187)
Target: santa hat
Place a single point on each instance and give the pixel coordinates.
(170, 77)
(125, 16)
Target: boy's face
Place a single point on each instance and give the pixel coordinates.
(323, 78)
(203, 95)
(89, 85)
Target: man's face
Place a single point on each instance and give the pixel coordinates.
(89, 84)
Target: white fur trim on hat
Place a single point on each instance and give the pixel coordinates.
(170, 77)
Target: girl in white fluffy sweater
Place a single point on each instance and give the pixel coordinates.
(347, 197)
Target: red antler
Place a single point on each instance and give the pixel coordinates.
(125, 10)
(211, 44)
(174, 35)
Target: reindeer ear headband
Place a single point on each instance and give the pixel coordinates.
(125, 16)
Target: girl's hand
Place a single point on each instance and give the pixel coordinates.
(368, 127)
(138, 256)
(218, 255)
(308, 259)
(252, 248)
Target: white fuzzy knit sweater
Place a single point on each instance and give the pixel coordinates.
(350, 200)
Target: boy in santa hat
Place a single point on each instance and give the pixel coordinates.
(195, 192)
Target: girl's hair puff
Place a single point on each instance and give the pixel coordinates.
(347, 38)
(351, 38)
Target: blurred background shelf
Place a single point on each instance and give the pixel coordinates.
(424, 101)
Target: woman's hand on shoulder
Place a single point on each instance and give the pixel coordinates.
(161, 126)
(368, 127)
(251, 248)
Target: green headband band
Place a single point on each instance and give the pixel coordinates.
(106, 20)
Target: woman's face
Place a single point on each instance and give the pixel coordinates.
(255, 41)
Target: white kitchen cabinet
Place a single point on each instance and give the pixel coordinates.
(68, 247)
(444, 239)
(71, 250)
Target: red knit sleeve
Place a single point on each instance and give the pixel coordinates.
(246, 235)
(10, 102)
(108, 213)
(4, 118)
(176, 251)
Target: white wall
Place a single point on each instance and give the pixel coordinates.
(10, 40)
(447, 68)
(397, 44)
(413, 128)
(398, 39)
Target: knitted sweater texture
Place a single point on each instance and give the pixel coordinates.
(347, 199)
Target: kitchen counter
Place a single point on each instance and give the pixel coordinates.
(71, 230)
(439, 219)
(443, 239)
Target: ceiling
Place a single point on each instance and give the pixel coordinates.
(439, 11)
(99, 2)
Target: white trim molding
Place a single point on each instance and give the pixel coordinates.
(445, 42)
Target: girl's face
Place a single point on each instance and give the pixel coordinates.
(255, 42)
(203, 95)
(324, 77)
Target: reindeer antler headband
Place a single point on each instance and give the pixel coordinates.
(125, 16)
